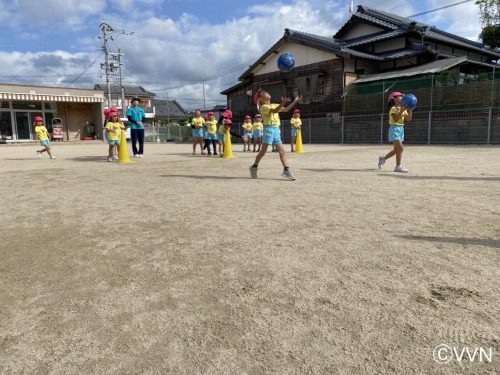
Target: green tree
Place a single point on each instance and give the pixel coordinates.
(490, 19)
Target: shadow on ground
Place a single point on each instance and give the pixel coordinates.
(488, 242)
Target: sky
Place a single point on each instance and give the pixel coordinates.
(175, 48)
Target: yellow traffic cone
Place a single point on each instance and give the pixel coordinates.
(123, 156)
(228, 147)
(298, 143)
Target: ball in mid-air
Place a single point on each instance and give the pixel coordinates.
(286, 62)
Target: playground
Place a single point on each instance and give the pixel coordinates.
(182, 264)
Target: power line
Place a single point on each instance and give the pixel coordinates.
(436, 9)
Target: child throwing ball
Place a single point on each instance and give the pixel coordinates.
(272, 133)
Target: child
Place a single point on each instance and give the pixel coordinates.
(257, 131)
(247, 134)
(42, 135)
(272, 134)
(221, 135)
(211, 126)
(398, 114)
(296, 125)
(114, 129)
(197, 124)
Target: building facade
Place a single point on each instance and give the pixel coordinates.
(19, 104)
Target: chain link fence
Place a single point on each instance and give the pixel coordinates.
(464, 126)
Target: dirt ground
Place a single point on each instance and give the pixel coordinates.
(181, 264)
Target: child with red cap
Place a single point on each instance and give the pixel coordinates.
(114, 128)
(296, 125)
(398, 114)
(211, 137)
(42, 135)
(257, 131)
(247, 133)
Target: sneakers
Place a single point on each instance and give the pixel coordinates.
(288, 174)
(381, 161)
(136, 156)
(194, 152)
(110, 158)
(253, 171)
(39, 154)
(141, 156)
(400, 169)
(52, 157)
(203, 153)
(215, 154)
(115, 157)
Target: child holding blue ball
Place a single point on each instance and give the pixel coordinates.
(398, 115)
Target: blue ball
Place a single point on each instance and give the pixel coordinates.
(286, 62)
(409, 101)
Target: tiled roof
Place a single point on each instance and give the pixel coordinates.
(138, 91)
(167, 107)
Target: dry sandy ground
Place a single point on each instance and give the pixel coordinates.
(181, 264)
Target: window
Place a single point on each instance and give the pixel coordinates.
(26, 105)
(4, 104)
(5, 125)
(50, 105)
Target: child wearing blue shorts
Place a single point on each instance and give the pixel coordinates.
(398, 114)
(258, 128)
(247, 133)
(272, 132)
(114, 129)
(43, 136)
(197, 125)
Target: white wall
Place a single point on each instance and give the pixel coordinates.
(303, 56)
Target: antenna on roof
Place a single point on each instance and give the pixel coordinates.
(351, 6)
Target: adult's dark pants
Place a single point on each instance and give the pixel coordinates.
(137, 135)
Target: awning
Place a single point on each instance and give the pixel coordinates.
(52, 98)
(429, 68)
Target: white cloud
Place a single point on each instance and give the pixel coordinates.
(180, 54)
(57, 14)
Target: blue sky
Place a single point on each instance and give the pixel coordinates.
(176, 45)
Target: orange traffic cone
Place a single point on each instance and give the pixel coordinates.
(123, 156)
(299, 149)
(228, 147)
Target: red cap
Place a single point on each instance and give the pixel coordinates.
(113, 113)
(227, 121)
(247, 117)
(296, 111)
(38, 119)
(256, 97)
(394, 94)
(210, 114)
(227, 114)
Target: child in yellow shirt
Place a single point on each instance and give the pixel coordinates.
(42, 135)
(257, 132)
(247, 133)
(114, 128)
(296, 125)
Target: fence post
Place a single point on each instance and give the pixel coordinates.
(310, 133)
(381, 128)
(429, 126)
(488, 135)
(180, 133)
(342, 131)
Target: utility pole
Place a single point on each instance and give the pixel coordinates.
(106, 29)
(113, 66)
(204, 105)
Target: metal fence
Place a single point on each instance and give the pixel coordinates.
(465, 126)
